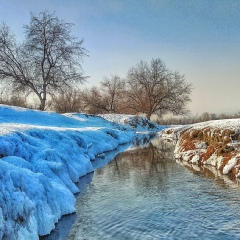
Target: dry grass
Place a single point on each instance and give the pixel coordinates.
(217, 142)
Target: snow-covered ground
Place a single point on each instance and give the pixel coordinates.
(136, 123)
(42, 156)
(215, 143)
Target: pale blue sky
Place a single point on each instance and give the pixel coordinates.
(198, 38)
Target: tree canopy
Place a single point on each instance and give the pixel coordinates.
(153, 89)
(48, 60)
(108, 98)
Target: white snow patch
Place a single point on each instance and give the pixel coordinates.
(195, 159)
(214, 160)
(137, 123)
(231, 164)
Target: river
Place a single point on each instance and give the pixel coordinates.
(143, 193)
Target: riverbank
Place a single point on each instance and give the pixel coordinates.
(43, 155)
(215, 143)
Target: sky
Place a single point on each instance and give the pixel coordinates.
(198, 38)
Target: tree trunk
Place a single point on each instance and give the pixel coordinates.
(43, 97)
(42, 104)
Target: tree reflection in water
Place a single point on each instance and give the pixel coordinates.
(144, 194)
(142, 165)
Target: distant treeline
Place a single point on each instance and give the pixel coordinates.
(72, 102)
(197, 118)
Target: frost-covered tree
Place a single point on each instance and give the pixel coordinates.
(153, 89)
(47, 61)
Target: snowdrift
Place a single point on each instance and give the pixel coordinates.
(215, 143)
(136, 123)
(42, 156)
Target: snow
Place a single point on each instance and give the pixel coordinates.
(42, 156)
(215, 161)
(231, 164)
(218, 141)
(136, 123)
(219, 124)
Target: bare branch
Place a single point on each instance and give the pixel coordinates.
(47, 61)
(153, 89)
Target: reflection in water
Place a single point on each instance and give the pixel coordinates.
(64, 225)
(145, 194)
(211, 172)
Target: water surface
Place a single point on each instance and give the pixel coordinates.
(145, 194)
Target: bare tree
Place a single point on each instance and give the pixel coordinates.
(67, 101)
(94, 102)
(113, 90)
(153, 89)
(107, 98)
(13, 100)
(47, 61)
(205, 117)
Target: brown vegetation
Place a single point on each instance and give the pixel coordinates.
(217, 142)
(68, 101)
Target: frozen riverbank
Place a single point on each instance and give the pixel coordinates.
(215, 143)
(43, 154)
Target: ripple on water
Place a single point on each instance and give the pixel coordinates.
(145, 197)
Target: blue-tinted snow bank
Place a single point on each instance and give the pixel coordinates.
(136, 123)
(42, 156)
